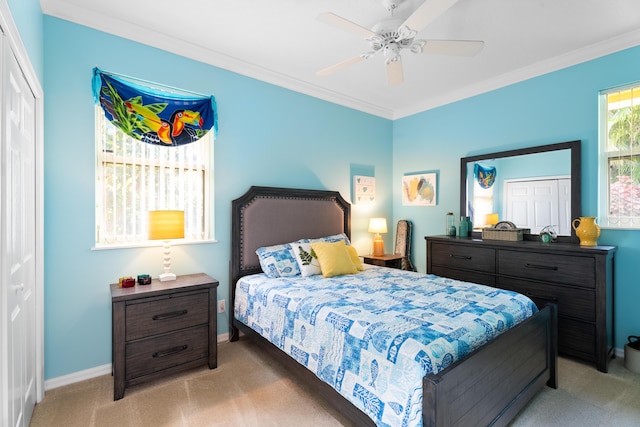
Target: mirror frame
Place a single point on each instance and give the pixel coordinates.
(576, 187)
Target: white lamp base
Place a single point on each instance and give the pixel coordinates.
(165, 277)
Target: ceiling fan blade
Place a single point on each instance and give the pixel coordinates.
(340, 65)
(428, 12)
(453, 47)
(344, 24)
(395, 76)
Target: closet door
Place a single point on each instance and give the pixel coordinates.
(19, 245)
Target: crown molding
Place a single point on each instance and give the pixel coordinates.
(594, 51)
(85, 17)
(82, 16)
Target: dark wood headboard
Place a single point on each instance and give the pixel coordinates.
(266, 216)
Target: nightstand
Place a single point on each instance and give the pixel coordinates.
(162, 328)
(386, 260)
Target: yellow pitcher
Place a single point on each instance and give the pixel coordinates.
(587, 230)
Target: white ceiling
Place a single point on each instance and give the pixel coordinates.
(282, 42)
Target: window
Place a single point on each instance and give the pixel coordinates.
(133, 177)
(154, 150)
(619, 159)
(482, 204)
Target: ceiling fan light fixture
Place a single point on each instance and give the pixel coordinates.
(391, 53)
(392, 35)
(391, 5)
(417, 45)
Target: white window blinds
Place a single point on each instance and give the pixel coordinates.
(133, 177)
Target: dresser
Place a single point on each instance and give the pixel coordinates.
(162, 328)
(580, 280)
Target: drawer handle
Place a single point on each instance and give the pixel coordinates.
(170, 315)
(541, 267)
(169, 352)
(459, 256)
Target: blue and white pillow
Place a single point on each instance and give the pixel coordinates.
(331, 239)
(280, 260)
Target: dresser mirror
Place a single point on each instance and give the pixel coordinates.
(531, 187)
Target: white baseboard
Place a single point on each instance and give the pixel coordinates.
(77, 377)
(93, 372)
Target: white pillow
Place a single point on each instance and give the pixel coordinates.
(306, 258)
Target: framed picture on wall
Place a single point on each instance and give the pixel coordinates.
(364, 189)
(419, 189)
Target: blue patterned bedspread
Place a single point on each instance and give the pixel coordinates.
(373, 336)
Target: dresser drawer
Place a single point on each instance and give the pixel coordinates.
(576, 303)
(464, 275)
(573, 270)
(161, 352)
(166, 314)
(576, 338)
(463, 256)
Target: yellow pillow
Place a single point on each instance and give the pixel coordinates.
(353, 253)
(334, 258)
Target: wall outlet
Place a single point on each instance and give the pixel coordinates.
(222, 306)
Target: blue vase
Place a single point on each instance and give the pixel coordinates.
(463, 229)
(469, 225)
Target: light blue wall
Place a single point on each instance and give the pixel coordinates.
(268, 136)
(272, 136)
(28, 18)
(557, 107)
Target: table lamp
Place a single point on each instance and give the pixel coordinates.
(377, 226)
(166, 225)
(491, 219)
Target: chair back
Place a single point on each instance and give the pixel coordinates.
(403, 244)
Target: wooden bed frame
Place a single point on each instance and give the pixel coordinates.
(488, 387)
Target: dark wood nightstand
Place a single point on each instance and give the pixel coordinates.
(386, 260)
(162, 328)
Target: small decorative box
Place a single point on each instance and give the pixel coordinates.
(510, 235)
(504, 230)
(144, 279)
(127, 282)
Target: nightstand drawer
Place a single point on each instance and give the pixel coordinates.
(463, 256)
(571, 270)
(154, 354)
(166, 314)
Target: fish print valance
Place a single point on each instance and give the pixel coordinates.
(152, 115)
(485, 176)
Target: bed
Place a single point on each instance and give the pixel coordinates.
(488, 386)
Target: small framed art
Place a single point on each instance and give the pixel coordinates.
(419, 189)
(364, 189)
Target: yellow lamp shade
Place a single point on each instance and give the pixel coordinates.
(166, 225)
(491, 219)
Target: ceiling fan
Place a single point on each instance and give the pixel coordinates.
(392, 35)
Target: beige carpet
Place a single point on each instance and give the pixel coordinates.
(250, 389)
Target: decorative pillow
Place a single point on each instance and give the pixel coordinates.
(334, 258)
(332, 238)
(278, 261)
(306, 258)
(355, 259)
